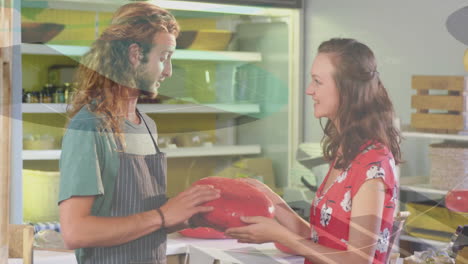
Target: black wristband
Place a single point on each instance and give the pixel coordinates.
(163, 222)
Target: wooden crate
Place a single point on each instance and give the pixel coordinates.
(440, 103)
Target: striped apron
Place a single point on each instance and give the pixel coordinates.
(140, 186)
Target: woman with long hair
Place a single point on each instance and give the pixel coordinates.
(351, 216)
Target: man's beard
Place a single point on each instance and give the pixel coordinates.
(144, 83)
(149, 94)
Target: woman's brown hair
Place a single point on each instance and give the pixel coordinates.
(105, 73)
(365, 112)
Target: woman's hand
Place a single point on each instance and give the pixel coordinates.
(180, 208)
(260, 230)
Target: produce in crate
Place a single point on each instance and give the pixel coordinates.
(429, 257)
(237, 199)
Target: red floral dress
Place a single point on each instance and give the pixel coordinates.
(330, 212)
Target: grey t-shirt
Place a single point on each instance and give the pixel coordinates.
(89, 158)
(137, 138)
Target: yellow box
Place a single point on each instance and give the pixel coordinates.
(432, 220)
(40, 196)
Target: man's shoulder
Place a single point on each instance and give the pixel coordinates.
(85, 120)
(149, 121)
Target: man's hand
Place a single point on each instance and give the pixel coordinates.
(179, 209)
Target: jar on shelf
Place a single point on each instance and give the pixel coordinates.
(26, 97)
(33, 97)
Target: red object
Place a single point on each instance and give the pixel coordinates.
(203, 232)
(237, 199)
(457, 200)
(284, 249)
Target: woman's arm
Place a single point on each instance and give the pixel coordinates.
(291, 220)
(366, 217)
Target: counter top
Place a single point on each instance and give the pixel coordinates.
(200, 250)
(49, 257)
(228, 251)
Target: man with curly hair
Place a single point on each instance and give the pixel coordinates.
(113, 206)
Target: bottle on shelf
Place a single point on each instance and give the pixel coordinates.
(47, 92)
(66, 93)
(59, 95)
(72, 89)
(25, 96)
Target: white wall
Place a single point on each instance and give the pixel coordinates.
(407, 37)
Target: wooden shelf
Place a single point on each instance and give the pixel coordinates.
(171, 152)
(412, 133)
(111, 6)
(200, 109)
(76, 51)
(418, 188)
(159, 108)
(43, 108)
(423, 189)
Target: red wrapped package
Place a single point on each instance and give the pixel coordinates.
(237, 199)
(202, 232)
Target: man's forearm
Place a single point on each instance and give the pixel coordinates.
(95, 231)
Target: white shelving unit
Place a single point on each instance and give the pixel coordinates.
(414, 134)
(64, 50)
(159, 108)
(421, 186)
(171, 152)
(110, 6)
(225, 109)
(418, 185)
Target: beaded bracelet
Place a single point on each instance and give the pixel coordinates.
(163, 222)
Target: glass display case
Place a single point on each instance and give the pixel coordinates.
(231, 107)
